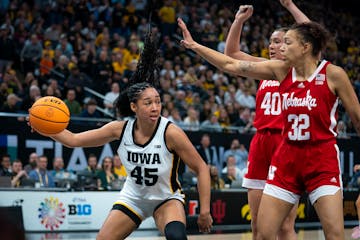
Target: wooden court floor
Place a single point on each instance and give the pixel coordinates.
(154, 235)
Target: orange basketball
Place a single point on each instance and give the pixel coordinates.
(49, 115)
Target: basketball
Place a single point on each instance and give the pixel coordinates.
(49, 115)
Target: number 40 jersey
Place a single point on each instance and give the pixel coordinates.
(309, 108)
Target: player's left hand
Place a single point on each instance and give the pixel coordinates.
(204, 222)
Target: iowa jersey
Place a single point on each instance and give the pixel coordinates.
(268, 106)
(152, 169)
(309, 108)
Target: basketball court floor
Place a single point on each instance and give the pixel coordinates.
(314, 234)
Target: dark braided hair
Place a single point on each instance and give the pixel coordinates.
(146, 75)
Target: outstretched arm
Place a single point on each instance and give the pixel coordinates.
(274, 69)
(298, 15)
(178, 142)
(232, 46)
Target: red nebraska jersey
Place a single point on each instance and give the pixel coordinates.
(309, 108)
(268, 106)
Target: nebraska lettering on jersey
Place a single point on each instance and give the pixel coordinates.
(268, 106)
(143, 158)
(309, 107)
(269, 83)
(307, 101)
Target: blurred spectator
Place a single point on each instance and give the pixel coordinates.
(59, 173)
(212, 124)
(52, 33)
(103, 73)
(341, 130)
(90, 111)
(167, 48)
(238, 173)
(119, 168)
(71, 102)
(232, 176)
(110, 98)
(32, 161)
(12, 81)
(64, 46)
(28, 82)
(128, 73)
(41, 175)
(167, 18)
(55, 88)
(34, 94)
(7, 46)
(31, 54)
(61, 71)
(78, 80)
(5, 168)
(106, 176)
(85, 63)
(18, 174)
(246, 99)
(191, 121)
(92, 164)
(46, 65)
(239, 152)
(12, 104)
(180, 103)
(244, 117)
(204, 149)
(168, 69)
(216, 181)
(134, 50)
(176, 118)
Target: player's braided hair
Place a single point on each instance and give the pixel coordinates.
(146, 75)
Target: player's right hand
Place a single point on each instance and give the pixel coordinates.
(205, 222)
(244, 13)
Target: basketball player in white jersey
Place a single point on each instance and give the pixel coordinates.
(308, 157)
(151, 148)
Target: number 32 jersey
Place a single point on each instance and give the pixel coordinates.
(309, 108)
(151, 168)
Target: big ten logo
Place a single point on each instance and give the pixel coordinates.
(79, 209)
(193, 205)
(218, 209)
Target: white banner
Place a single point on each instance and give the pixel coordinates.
(63, 211)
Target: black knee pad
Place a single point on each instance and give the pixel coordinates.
(175, 231)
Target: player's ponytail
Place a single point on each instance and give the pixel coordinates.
(147, 74)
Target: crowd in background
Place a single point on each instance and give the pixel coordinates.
(60, 48)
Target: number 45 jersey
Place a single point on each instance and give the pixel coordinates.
(151, 168)
(309, 108)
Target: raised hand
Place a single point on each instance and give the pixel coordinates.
(188, 41)
(286, 3)
(244, 13)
